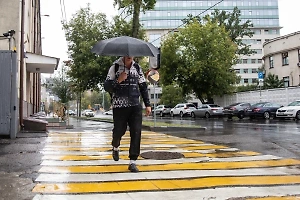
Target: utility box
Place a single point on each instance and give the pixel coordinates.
(8, 94)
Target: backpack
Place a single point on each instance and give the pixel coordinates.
(137, 67)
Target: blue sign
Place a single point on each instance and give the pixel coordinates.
(260, 75)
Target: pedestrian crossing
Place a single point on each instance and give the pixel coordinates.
(80, 166)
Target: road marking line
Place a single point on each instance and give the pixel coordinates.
(156, 185)
(175, 166)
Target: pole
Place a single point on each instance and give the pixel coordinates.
(259, 93)
(103, 100)
(154, 111)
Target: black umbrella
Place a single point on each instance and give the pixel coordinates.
(124, 46)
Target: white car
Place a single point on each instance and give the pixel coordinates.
(290, 111)
(109, 112)
(88, 113)
(182, 109)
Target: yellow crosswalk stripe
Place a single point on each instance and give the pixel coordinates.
(277, 198)
(154, 185)
(123, 157)
(175, 166)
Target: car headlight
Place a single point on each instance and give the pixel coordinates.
(290, 110)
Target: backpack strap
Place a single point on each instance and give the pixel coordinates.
(116, 67)
(137, 67)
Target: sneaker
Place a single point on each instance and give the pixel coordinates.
(132, 167)
(115, 154)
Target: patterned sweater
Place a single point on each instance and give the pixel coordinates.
(126, 93)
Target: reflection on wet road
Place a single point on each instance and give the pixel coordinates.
(77, 164)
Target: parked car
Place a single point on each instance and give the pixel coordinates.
(265, 110)
(162, 110)
(109, 112)
(88, 113)
(290, 111)
(236, 109)
(182, 109)
(207, 111)
(71, 112)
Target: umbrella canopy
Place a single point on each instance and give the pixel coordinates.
(124, 46)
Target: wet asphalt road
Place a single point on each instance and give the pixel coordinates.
(273, 137)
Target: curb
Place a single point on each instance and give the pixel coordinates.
(172, 129)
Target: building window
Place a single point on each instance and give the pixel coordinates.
(245, 71)
(271, 62)
(246, 80)
(286, 81)
(259, 61)
(254, 71)
(257, 51)
(253, 61)
(237, 71)
(254, 80)
(245, 61)
(285, 58)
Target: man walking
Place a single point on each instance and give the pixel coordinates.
(126, 82)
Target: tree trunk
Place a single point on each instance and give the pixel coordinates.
(136, 18)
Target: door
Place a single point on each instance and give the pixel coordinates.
(8, 94)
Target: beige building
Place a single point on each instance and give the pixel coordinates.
(282, 58)
(20, 31)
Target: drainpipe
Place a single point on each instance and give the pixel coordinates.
(34, 107)
(21, 65)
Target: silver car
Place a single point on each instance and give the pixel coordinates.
(162, 110)
(207, 111)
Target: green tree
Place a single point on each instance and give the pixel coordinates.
(172, 95)
(82, 32)
(199, 58)
(61, 86)
(233, 25)
(272, 81)
(134, 8)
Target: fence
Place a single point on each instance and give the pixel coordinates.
(281, 96)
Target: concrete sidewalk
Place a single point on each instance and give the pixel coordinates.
(19, 164)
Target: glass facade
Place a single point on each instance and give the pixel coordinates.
(169, 13)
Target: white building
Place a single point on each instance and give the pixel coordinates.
(282, 58)
(24, 18)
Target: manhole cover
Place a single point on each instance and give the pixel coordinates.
(161, 155)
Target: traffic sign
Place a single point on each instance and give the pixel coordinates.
(260, 82)
(260, 75)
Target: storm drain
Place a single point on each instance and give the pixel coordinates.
(161, 155)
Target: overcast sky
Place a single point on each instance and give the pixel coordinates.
(54, 43)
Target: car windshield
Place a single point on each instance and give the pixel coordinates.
(214, 105)
(191, 106)
(258, 105)
(234, 104)
(295, 103)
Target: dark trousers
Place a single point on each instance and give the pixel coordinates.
(131, 116)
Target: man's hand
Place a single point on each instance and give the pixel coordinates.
(122, 77)
(148, 111)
